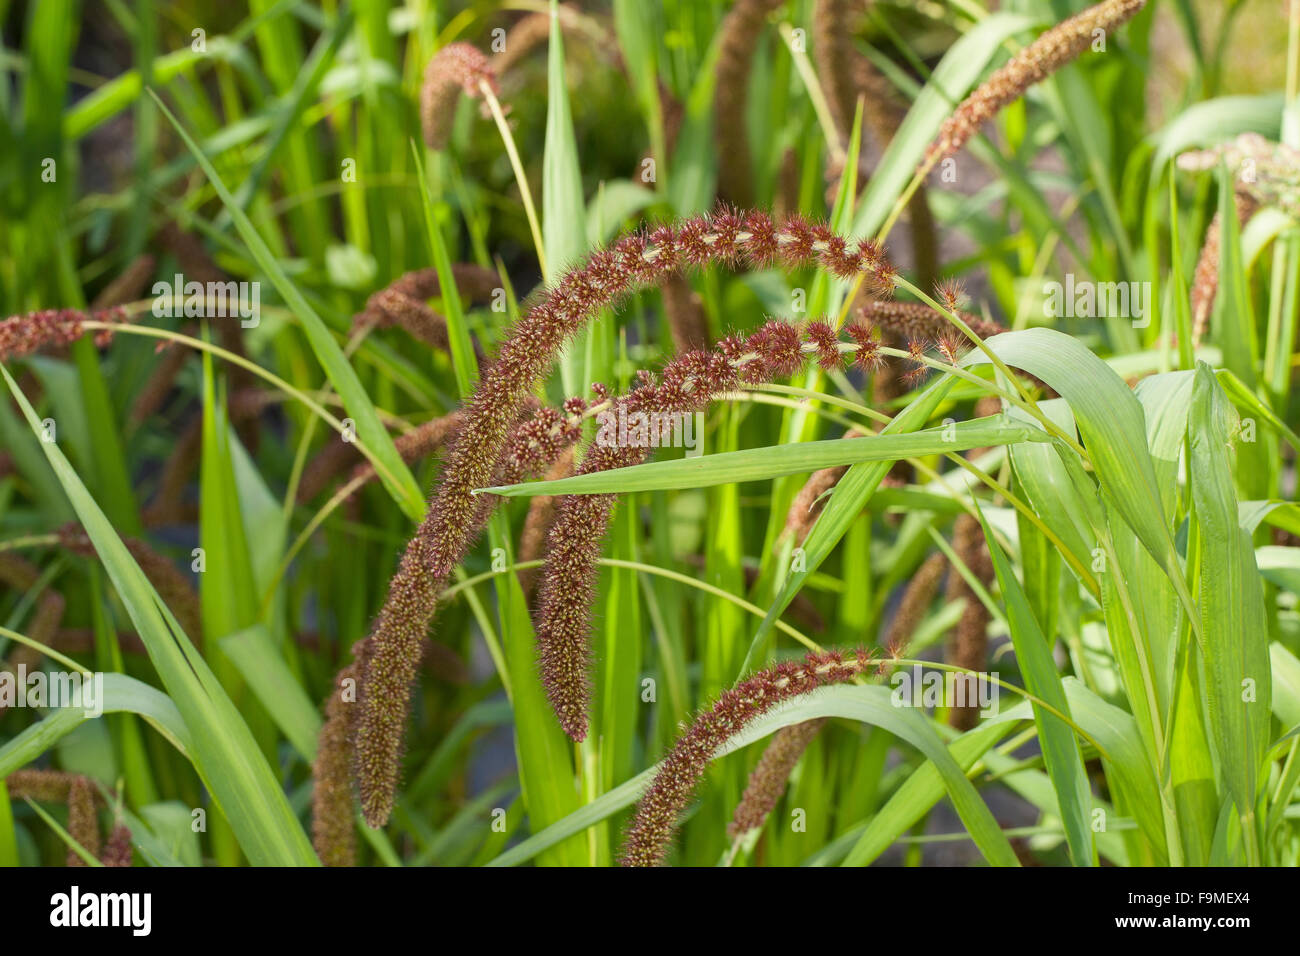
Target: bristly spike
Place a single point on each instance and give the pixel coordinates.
(916, 351)
(868, 356)
(950, 294)
(822, 335)
(651, 831)
(482, 450)
(456, 68)
(1056, 48)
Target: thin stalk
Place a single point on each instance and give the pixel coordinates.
(253, 367)
(815, 93)
(525, 193)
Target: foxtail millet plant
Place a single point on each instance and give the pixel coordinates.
(333, 833)
(456, 68)
(740, 31)
(83, 820)
(968, 643)
(1059, 46)
(456, 513)
(769, 778)
(651, 832)
(689, 384)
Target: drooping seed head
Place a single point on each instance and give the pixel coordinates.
(83, 821)
(768, 780)
(332, 831)
(651, 831)
(823, 336)
(968, 642)
(1056, 48)
(918, 594)
(117, 851)
(456, 512)
(456, 68)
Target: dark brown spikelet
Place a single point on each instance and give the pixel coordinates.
(1205, 282)
(404, 302)
(83, 821)
(474, 283)
(808, 502)
(332, 831)
(532, 31)
(456, 514)
(172, 586)
(768, 780)
(168, 505)
(567, 595)
(159, 385)
(918, 594)
(789, 186)
(968, 643)
(740, 31)
(334, 458)
(537, 524)
(417, 319)
(1056, 48)
(128, 286)
(22, 335)
(48, 786)
(456, 68)
(918, 322)
(118, 851)
(652, 828)
(685, 314)
(416, 445)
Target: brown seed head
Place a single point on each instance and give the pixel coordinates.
(1056, 48)
(652, 828)
(456, 68)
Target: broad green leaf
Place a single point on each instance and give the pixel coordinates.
(223, 749)
(1061, 753)
(1234, 638)
(1110, 422)
(389, 465)
(122, 694)
(759, 464)
(260, 664)
(868, 704)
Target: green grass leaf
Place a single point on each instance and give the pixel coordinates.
(223, 748)
(392, 469)
(760, 464)
(1235, 638)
